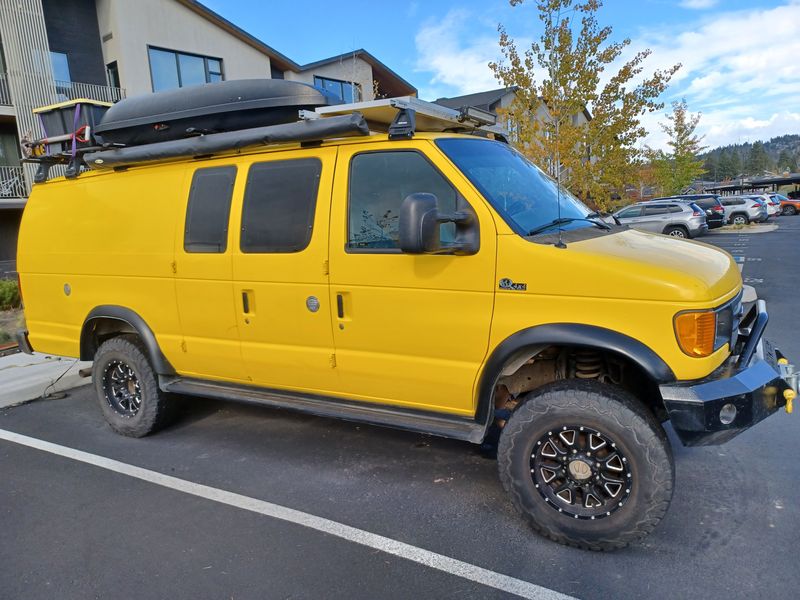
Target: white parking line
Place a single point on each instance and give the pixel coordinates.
(434, 560)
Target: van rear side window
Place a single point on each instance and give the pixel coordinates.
(279, 204)
(209, 210)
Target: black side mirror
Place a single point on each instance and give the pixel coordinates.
(420, 224)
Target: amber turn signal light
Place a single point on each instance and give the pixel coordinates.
(696, 332)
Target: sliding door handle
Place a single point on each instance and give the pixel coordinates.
(340, 306)
(246, 302)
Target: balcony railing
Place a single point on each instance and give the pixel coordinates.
(12, 183)
(5, 93)
(71, 90)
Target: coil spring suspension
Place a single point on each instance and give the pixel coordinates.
(589, 364)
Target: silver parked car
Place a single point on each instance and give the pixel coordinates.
(678, 219)
(741, 210)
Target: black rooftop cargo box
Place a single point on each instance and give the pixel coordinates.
(209, 108)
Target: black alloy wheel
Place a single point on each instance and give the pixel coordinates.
(580, 472)
(123, 392)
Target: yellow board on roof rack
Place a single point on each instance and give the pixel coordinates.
(68, 103)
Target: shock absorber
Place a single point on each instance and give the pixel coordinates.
(589, 364)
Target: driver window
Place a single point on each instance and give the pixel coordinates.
(379, 182)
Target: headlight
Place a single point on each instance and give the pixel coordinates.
(696, 332)
(703, 332)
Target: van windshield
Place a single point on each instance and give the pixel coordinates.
(520, 191)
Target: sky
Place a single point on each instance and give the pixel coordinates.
(740, 58)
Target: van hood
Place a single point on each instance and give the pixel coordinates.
(634, 265)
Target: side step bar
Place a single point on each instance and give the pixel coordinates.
(458, 428)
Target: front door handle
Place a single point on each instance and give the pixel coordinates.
(340, 306)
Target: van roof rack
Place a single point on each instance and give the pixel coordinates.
(402, 117)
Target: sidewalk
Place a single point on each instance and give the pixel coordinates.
(24, 377)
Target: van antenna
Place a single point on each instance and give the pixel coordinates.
(560, 243)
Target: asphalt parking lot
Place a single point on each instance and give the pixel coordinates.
(376, 513)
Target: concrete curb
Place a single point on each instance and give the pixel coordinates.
(745, 229)
(25, 377)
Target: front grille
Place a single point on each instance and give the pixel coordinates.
(728, 317)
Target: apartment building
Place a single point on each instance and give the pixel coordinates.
(55, 50)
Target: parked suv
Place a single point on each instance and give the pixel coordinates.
(773, 207)
(710, 203)
(741, 210)
(789, 206)
(402, 276)
(675, 218)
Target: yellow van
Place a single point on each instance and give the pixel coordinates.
(412, 271)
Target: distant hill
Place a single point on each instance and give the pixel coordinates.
(777, 155)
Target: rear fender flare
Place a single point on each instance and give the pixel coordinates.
(89, 342)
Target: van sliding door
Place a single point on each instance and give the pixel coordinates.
(280, 270)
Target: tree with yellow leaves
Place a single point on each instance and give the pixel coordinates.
(561, 75)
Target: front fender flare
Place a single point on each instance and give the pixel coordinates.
(566, 334)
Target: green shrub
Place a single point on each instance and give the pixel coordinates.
(9, 294)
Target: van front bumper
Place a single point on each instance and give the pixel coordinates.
(746, 389)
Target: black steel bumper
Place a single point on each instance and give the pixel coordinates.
(23, 343)
(752, 381)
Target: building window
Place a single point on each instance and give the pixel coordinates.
(344, 90)
(170, 70)
(60, 66)
(112, 73)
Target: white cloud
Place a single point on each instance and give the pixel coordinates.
(457, 67)
(699, 4)
(744, 84)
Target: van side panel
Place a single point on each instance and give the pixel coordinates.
(102, 239)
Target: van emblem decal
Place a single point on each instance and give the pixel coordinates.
(507, 284)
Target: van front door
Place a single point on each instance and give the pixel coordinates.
(410, 330)
(280, 268)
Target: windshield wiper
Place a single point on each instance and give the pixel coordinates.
(564, 221)
(600, 215)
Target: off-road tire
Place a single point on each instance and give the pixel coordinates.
(677, 231)
(741, 218)
(153, 411)
(789, 210)
(638, 435)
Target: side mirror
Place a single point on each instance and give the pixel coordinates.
(420, 224)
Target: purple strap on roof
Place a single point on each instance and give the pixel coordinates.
(75, 122)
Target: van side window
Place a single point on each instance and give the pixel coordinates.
(279, 204)
(208, 211)
(379, 182)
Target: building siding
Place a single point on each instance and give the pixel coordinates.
(133, 26)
